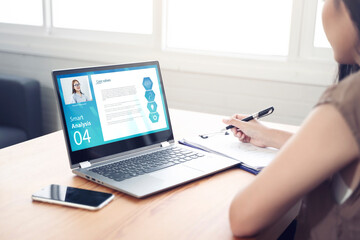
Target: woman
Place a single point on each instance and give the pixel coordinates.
(77, 96)
(321, 161)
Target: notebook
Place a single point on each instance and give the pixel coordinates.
(118, 131)
(251, 158)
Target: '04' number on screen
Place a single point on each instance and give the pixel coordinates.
(79, 139)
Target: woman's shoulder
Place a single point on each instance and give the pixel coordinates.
(345, 97)
(344, 93)
(348, 89)
(351, 81)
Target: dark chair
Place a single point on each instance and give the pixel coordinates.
(20, 110)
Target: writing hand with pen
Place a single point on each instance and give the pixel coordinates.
(248, 130)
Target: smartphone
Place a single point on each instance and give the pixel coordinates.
(73, 197)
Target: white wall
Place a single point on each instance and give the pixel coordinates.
(185, 90)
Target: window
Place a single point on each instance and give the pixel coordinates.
(320, 39)
(25, 12)
(279, 37)
(259, 27)
(126, 16)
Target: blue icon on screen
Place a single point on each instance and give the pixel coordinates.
(150, 97)
(152, 106)
(154, 117)
(147, 83)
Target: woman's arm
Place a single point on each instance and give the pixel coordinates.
(321, 147)
(256, 133)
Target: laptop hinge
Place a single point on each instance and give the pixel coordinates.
(165, 144)
(85, 164)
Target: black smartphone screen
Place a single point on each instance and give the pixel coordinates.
(57, 194)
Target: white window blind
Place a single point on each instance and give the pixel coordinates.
(25, 12)
(260, 27)
(126, 16)
(320, 39)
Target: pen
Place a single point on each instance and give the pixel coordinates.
(257, 115)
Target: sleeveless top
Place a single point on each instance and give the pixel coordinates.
(321, 216)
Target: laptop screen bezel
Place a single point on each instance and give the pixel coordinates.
(106, 150)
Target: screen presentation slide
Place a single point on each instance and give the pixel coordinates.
(114, 105)
(125, 106)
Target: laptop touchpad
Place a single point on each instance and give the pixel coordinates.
(176, 173)
(210, 165)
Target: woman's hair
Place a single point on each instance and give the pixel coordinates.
(353, 6)
(72, 85)
(346, 69)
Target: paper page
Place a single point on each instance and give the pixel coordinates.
(232, 147)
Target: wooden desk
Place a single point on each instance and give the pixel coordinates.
(198, 210)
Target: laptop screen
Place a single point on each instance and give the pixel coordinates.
(112, 109)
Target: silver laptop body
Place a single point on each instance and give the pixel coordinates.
(114, 114)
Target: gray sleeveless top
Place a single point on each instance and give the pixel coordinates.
(321, 217)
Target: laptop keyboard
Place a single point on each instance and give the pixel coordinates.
(152, 162)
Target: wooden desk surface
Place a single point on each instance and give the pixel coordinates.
(198, 210)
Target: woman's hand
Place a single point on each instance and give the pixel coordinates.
(256, 133)
(248, 132)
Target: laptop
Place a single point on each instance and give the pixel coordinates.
(118, 131)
